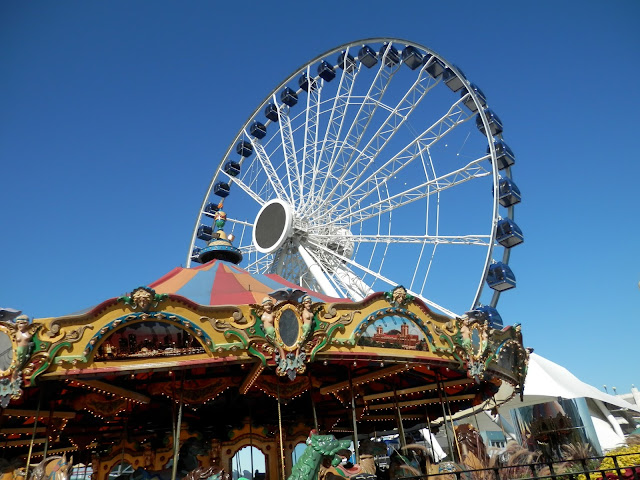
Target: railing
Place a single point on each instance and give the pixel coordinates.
(583, 469)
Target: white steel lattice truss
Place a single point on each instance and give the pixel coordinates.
(386, 177)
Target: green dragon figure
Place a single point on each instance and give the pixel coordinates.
(319, 447)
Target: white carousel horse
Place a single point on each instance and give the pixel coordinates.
(52, 468)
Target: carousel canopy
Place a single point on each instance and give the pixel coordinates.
(206, 339)
(222, 283)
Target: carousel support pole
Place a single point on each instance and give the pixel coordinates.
(173, 405)
(403, 442)
(33, 435)
(430, 441)
(176, 439)
(281, 437)
(251, 441)
(453, 429)
(313, 410)
(124, 438)
(353, 419)
(440, 386)
(48, 431)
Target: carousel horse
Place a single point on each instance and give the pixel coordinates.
(322, 458)
(52, 468)
(472, 449)
(203, 473)
(369, 449)
(187, 462)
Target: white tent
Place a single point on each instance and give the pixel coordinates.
(547, 381)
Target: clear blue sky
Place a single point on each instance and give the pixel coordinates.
(114, 115)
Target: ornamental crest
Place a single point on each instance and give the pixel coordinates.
(143, 299)
(472, 341)
(287, 329)
(398, 297)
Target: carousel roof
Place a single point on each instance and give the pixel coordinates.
(222, 283)
(201, 336)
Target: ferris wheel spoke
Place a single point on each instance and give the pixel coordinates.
(455, 116)
(395, 120)
(332, 131)
(249, 191)
(329, 239)
(309, 149)
(271, 174)
(288, 149)
(364, 115)
(470, 171)
(374, 274)
(311, 154)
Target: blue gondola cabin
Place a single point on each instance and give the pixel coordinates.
(500, 277)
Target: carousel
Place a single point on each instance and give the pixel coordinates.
(189, 370)
(303, 360)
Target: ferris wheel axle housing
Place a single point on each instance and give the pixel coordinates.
(277, 222)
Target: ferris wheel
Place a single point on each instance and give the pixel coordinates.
(375, 164)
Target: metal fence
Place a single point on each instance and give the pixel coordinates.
(583, 469)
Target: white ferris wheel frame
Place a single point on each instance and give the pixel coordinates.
(330, 266)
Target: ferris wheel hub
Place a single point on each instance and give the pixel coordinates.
(272, 226)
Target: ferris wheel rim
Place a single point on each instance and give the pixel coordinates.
(390, 40)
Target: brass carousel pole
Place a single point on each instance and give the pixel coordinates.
(444, 413)
(124, 437)
(453, 428)
(281, 438)
(48, 430)
(251, 440)
(313, 410)
(403, 442)
(430, 441)
(33, 435)
(176, 439)
(353, 419)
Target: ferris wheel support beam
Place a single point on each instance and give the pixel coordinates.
(377, 275)
(354, 285)
(317, 272)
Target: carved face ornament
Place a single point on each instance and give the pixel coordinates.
(142, 299)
